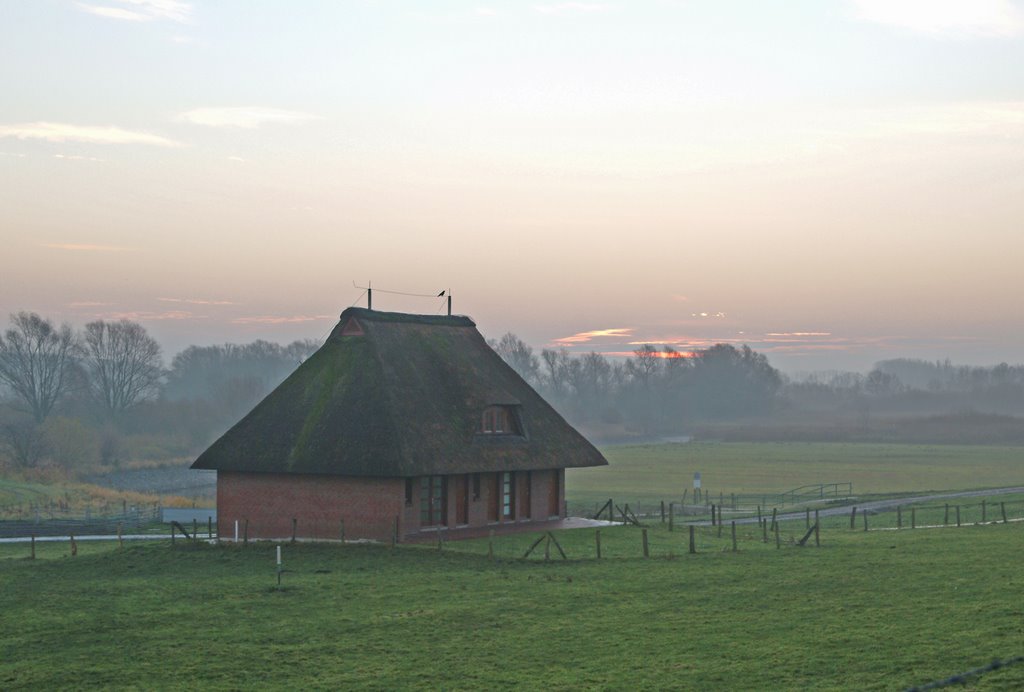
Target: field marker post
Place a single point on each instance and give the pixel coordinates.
(33, 547)
(662, 511)
(945, 521)
(236, 531)
(864, 513)
(279, 565)
(1002, 508)
(853, 517)
(646, 551)
(670, 517)
(597, 542)
(734, 535)
(693, 543)
(983, 513)
(899, 517)
(913, 517)
(294, 527)
(958, 516)
(74, 546)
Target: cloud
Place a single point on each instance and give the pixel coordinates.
(86, 247)
(248, 117)
(196, 301)
(65, 132)
(281, 319)
(239, 159)
(88, 304)
(583, 337)
(136, 315)
(799, 334)
(704, 315)
(944, 18)
(572, 7)
(74, 157)
(141, 10)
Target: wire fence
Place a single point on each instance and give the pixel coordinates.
(80, 523)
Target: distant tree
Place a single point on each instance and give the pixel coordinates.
(519, 356)
(880, 383)
(122, 362)
(36, 361)
(645, 365)
(727, 381)
(556, 372)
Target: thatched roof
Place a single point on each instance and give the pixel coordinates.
(391, 394)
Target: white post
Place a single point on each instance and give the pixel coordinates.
(278, 556)
(236, 531)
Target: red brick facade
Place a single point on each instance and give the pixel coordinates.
(370, 507)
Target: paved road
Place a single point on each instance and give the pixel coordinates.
(890, 503)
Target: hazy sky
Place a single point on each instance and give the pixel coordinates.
(832, 182)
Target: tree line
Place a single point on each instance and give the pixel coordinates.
(103, 393)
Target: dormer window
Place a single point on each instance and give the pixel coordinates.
(500, 420)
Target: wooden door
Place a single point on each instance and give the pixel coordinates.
(494, 497)
(554, 490)
(462, 499)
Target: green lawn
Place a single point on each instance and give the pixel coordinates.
(650, 473)
(881, 610)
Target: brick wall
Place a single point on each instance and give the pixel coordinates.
(369, 506)
(270, 500)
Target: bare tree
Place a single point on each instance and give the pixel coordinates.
(123, 363)
(36, 360)
(519, 355)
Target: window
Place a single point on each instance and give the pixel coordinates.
(499, 420)
(433, 501)
(508, 495)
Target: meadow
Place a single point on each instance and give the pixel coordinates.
(650, 473)
(881, 609)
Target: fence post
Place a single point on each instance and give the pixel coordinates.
(899, 517)
(945, 520)
(734, 535)
(597, 542)
(662, 511)
(775, 521)
(719, 522)
(625, 513)
(913, 517)
(807, 519)
(958, 516)
(33, 547)
(209, 527)
(817, 530)
(983, 513)
(195, 529)
(1002, 508)
(172, 534)
(646, 552)
(74, 546)
(693, 543)
(853, 517)
(864, 513)
(670, 517)
(778, 543)
(712, 515)
(120, 543)
(764, 531)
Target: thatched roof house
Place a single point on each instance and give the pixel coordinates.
(399, 423)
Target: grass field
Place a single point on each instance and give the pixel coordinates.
(877, 610)
(659, 472)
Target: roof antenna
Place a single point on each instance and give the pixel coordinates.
(369, 295)
(449, 302)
